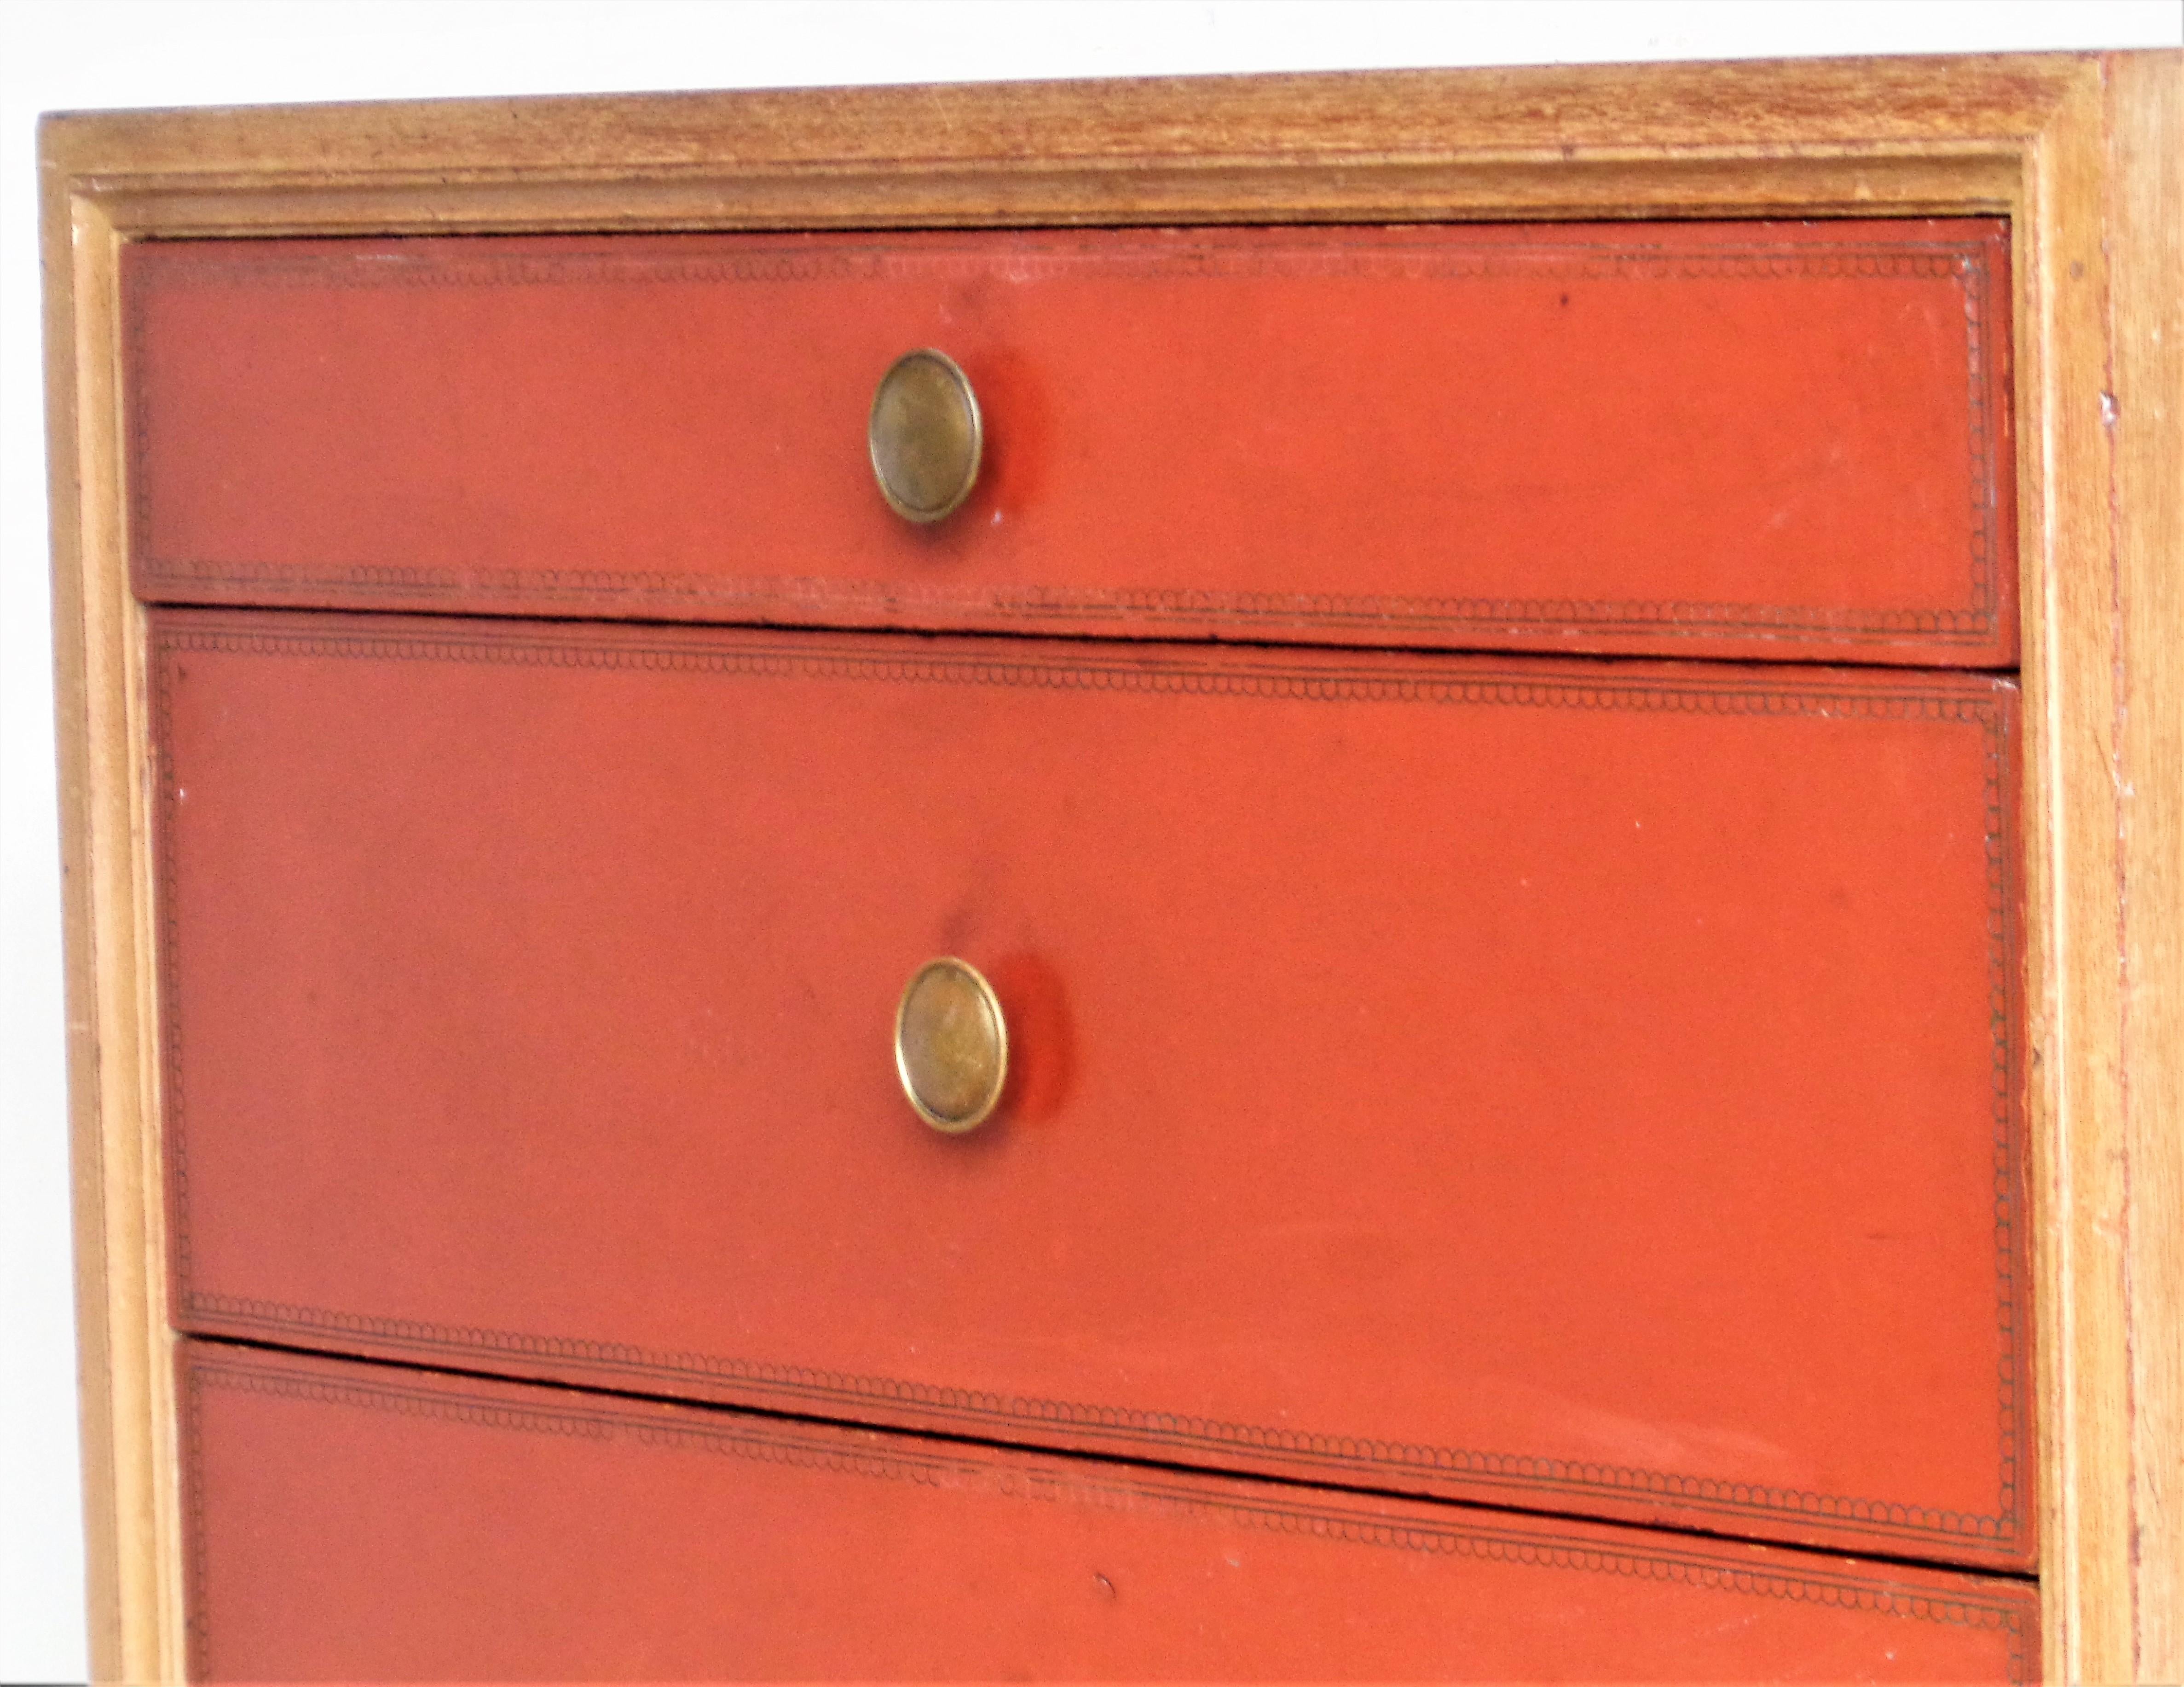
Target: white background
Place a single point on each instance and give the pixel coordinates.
(60, 56)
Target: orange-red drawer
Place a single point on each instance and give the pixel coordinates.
(368, 1524)
(1744, 439)
(1589, 1086)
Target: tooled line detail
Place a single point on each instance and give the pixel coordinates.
(173, 1115)
(1190, 606)
(197, 1641)
(813, 656)
(279, 266)
(2002, 1012)
(958, 1468)
(1965, 263)
(1515, 687)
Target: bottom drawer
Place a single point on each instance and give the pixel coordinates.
(372, 1522)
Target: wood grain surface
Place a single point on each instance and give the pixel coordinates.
(2145, 193)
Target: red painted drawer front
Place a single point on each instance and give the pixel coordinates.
(1745, 439)
(371, 1523)
(1581, 1085)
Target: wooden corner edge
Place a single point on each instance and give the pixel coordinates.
(2142, 407)
(125, 1376)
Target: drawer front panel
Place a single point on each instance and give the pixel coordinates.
(367, 1523)
(1743, 439)
(1589, 1086)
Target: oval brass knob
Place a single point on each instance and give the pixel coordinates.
(925, 436)
(952, 1045)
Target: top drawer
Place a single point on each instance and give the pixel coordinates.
(1739, 439)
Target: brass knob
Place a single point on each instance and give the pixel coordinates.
(925, 436)
(952, 1045)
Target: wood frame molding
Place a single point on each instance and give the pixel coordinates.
(2085, 154)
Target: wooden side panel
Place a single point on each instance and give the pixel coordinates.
(1779, 440)
(2146, 421)
(124, 1365)
(368, 1524)
(1590, 1086)
(2099, 677)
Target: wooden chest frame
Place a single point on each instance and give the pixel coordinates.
(2085, 153)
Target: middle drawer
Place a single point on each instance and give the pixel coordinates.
(1589, 1086)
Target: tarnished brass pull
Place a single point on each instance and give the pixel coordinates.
(925, 436)
(952, 1045)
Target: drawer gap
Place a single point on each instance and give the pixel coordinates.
(1096, 1459)
(1033, 638)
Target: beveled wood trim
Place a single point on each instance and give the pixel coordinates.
(2145, 216)
(1308, 121)
(2080, 151)
(2070, 680)
(1838, 136)
(132, 1527)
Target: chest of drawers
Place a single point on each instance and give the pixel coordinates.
(1561, 1021)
